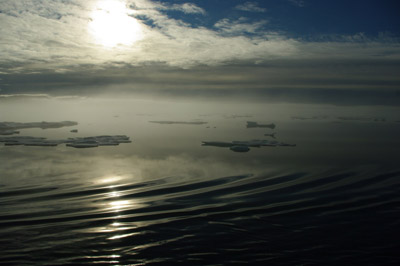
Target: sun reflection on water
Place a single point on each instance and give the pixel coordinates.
(117, 206)
(109, 179)
(122, 236)
(120, 205)
(117, 200)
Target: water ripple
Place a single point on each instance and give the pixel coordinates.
(281, 219)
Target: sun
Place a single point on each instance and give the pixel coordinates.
(111, 24)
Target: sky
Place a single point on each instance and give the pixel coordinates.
(342, 52)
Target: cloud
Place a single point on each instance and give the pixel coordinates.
(46, 53)
(37, 42)
(187, 8)
(240, 26)
(299, 3)
(250, 7)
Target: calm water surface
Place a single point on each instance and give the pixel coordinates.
(334, 199)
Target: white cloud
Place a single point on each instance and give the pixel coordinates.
(42, 42)
(34, 41)
(239, 26)
(299, 3)
(188, 8)
(250, 7)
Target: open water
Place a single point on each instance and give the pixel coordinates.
(164, 199)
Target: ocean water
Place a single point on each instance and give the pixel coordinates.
(163, 199)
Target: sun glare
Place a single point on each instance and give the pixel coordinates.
(111, 24)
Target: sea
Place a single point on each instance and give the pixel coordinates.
(165, 199)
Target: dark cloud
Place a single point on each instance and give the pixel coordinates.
(291, 76)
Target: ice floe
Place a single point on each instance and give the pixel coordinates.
(272, 135)
(251, 124)
(8, 132)
(367, 119)
(10, 128)
(179, 122)
(244, 146)
(239, 148)
(237, 116)
(310, 118)
(86, 142)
